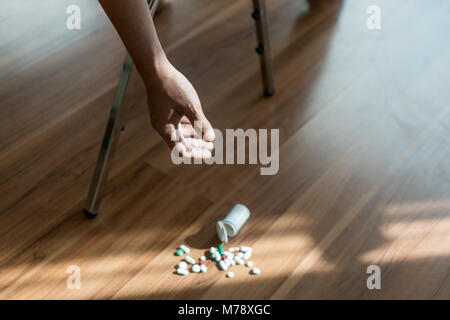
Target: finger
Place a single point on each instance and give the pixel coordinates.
(187, 130)
(207, 129)
(198, 117)
(185, 120)
(179, 132)
(189, 143)
(183, 138)
(196, 143)
(192, 153)
(197, 154)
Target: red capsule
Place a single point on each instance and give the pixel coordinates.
(224, 257)
(200, 262)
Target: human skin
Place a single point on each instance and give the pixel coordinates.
(171, 98)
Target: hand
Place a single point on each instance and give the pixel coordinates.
(172, 100)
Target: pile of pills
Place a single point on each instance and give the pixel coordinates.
(225, 259)
(183, 265)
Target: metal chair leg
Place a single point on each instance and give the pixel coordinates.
(109, 142)
(262, 30)
(111, 136)
(115, 125)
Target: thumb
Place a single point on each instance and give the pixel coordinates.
(200, 122)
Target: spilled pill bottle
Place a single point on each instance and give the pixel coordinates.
(232, 223)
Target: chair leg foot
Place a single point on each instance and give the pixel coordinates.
(89, 214)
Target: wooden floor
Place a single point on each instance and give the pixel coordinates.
(364, 179)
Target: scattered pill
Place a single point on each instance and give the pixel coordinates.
(230, 274)
(182, 271)
(238, 260)
(184, 248)
(234, 249)
(189, 260)
(232, 262)
(196, 268)
(227, 261)
(255, 271)
(240, 255)
(213, 249)
(182, 265)
(219, 247)
(224, 257)
(218, 257)
(249, 264)
(247, 255)
(228, 254)
(212, 255)
(223, 265)
(202, 258)
(203, 268)
(245, 249)
(179, 252)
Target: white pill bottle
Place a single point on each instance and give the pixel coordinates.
(233, 222)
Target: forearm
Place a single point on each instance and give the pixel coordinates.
(134, 23)
(171, 98)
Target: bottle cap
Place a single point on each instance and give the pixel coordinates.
(222, 232)
(233, 222)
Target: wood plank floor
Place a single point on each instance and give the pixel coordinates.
(364, 178)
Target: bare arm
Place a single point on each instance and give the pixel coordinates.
(171, 97)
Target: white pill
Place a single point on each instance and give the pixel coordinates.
(238, 260)
(182, 271)
(195, 268)
(189, 260)
(245, 249)
(256, 271)
(247, 255)
(240, 255)
(185, 249)
(249, 264)
(234, 249)
(223, 265)
(233, 263)
(202, 258)
(228, 254)
(218, 257)
(230, 274)
(182, 265)
(203, 268)
(212, 249)
(227, 261)
(212, 255)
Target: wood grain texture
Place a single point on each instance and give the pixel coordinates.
(364, 177)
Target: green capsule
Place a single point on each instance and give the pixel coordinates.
(180, 252)
(220, 249)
